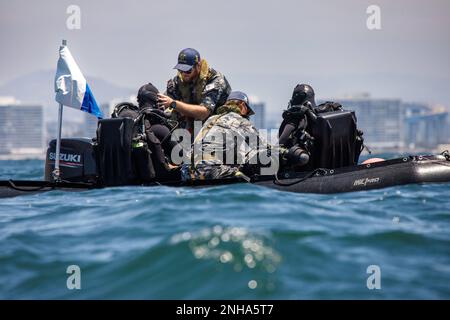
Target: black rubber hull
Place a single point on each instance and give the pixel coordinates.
(9, 189)
(374, 176)
(410, 170)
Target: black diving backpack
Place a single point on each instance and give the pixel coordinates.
(331, 106)
(328, 132)
(147, 161)
(337, 140)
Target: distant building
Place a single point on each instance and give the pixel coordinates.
(70, 129)
(89, 125)
(381, 120)
(425, 128)
(259, 118)
(415, 109)
(21, 129)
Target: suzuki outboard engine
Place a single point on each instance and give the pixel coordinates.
(125, 152)
(76, 160)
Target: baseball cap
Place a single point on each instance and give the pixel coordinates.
(187, 58)
(241, 96)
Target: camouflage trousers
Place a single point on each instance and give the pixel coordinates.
(208, 170)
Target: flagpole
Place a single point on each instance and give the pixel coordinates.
(56, 172)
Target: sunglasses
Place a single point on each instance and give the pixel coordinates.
(188, 72)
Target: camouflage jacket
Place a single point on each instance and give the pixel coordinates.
(226, 144)
(210, 90)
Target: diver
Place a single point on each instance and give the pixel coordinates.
(315, 136)
(294, 140)
(196, 91)
(222, 148)
(147, 98)
(151, 131)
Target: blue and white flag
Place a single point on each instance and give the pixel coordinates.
(71, 87)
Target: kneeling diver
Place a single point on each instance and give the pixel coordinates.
(225, 135)
(292, 133)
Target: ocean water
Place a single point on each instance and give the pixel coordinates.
(226, 242)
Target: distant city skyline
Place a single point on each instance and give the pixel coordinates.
(22, 129)
(388, 125)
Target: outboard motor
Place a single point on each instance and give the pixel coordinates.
(76, 160)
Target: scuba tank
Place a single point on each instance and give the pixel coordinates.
(128, 150)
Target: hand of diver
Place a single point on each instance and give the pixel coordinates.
(164, 101)
(172, 166)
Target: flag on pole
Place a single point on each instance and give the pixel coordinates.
(71, 87)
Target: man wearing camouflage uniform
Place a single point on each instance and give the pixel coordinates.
(197, 90)
(227, 144)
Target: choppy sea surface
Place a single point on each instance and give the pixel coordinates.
(226, 242)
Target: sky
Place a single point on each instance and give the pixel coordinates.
(263, 47)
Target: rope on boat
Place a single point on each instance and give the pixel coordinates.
(310, 175)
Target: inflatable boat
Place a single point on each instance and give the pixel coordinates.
(112, 160)
(400, 171)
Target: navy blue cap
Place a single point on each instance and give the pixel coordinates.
(241, 96)
(187, 58)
